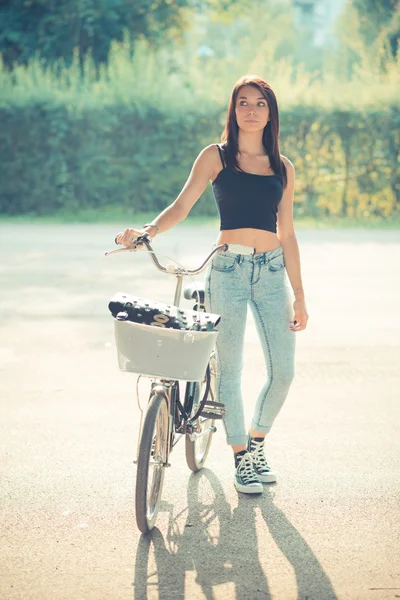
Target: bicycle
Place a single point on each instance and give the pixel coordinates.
(167, 419)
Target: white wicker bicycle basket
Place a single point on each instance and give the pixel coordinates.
(163, 352)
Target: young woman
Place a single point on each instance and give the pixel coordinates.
(253, 186)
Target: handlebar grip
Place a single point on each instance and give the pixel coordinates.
(144, 236)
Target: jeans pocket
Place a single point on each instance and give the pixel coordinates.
(277, 263)
(224, 263)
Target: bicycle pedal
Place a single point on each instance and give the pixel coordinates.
(213, 410)
(211, 415)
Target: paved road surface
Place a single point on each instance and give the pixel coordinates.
(329, 529)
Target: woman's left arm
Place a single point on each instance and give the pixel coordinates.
(287, 238)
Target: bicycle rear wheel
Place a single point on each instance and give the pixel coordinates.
(151, 462)
(197, 449)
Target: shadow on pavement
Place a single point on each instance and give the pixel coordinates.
(218, 546)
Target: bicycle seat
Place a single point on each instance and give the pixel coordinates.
(194, 291)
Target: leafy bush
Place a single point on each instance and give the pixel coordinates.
(130, 137)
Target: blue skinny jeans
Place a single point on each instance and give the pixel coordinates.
(234, 281)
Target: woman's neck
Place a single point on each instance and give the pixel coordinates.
(250, 143)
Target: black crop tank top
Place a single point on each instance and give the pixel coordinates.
(246, 199)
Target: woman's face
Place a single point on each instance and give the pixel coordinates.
(252, 111)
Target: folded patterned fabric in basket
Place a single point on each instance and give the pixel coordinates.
(126, 307)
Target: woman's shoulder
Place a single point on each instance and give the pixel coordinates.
(211, 154)
(209, 161)
(208, 153)
(212, 149)
(288, 164)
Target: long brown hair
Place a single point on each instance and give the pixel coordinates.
(270, 138)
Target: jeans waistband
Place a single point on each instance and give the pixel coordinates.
(247, 253)
(240, 249)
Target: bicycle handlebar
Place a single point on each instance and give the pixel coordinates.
(144, 240)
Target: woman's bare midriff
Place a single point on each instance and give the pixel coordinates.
(262, 241)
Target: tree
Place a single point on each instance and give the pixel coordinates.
(54, 29)
(379, 18)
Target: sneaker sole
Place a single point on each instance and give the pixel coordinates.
(253, 488)
(268, 478)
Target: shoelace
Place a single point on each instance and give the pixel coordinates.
(258, 456)
(245, 469)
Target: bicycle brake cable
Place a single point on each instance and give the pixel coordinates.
(183, 272)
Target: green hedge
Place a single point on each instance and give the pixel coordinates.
(56, 158)
(65, 157)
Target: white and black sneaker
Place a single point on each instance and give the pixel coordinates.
(246, 479)
(255, 447)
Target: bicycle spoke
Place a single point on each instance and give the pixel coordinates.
(197, 447)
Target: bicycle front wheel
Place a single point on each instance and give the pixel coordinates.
(151, 462)
(198, 445)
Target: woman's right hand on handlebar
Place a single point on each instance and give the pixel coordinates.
(127, 237)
